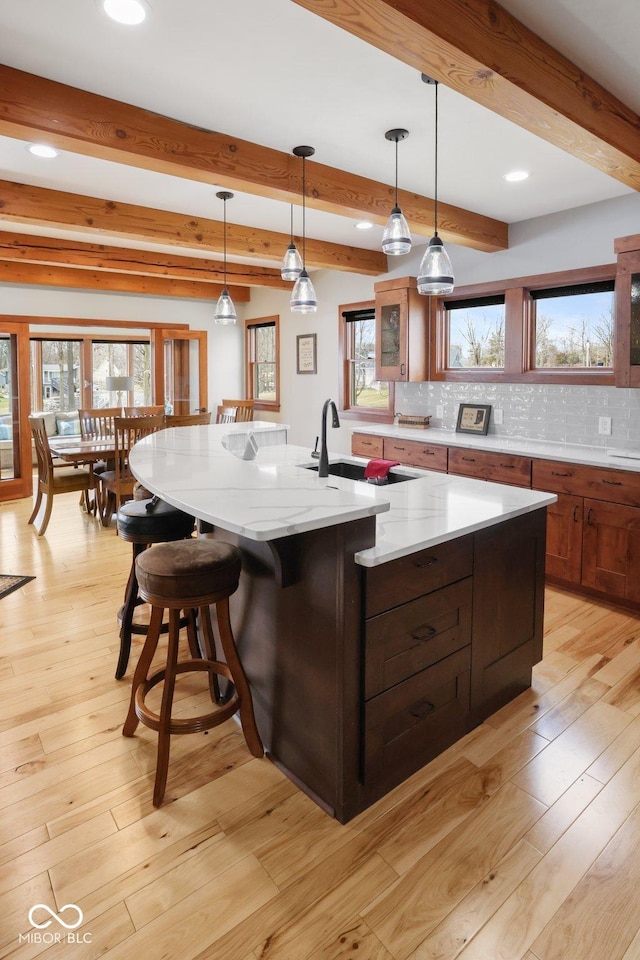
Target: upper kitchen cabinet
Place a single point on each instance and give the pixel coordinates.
(627, 324)
(402, 331)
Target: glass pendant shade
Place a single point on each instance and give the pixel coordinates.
(396, 238)
(225, 310)
(303, 297)
(435, 276)
(291, 263)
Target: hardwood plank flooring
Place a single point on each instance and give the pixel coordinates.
(521, 842)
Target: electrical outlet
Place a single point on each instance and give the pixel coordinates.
(439, 411)
(498, 418)
(604, 425)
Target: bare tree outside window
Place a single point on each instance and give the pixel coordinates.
(366, 391)
(575, 330)
(476, 336)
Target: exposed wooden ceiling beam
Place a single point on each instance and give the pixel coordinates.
(480, 50)
(39, 275)
(22, 203)
(85, 123)
(30, 248)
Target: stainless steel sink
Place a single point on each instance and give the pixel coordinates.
(355, 471)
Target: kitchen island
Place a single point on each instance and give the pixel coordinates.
(376, 624)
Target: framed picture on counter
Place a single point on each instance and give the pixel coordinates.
(306, 353)
(473, 418)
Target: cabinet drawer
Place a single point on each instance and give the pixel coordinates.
(416, 635)
(499, 467)
(363, 445)
(415, 720)
(399, 581)
(415, 454)
(601, 483)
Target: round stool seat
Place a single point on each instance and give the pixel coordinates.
(146, 521)
(188, 573)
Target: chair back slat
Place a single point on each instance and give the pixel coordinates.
(226, 414)
(96, 423)
(43, 451)
(187, 420)
(244, 409)
(152, 411)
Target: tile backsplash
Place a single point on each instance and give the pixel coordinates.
(568, 414)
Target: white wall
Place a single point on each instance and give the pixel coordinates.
(564, 241)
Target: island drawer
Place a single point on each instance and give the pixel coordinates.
(499, 467)
(599, 483)
(362, 445)
(415, 454)
(417, 719)
(399, 581)
(416, 635)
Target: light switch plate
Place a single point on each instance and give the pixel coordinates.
(498, 418)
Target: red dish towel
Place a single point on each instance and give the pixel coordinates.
(378, 469)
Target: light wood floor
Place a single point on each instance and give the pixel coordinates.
(522, 841)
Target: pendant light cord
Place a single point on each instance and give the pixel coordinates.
(304, 228)
(291, 205)
(396, 203)
(224, 244)
(435, 199)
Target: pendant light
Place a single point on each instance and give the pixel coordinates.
(396, 238)
(303, 296)
(225, 310)
(435, 276)
(292, 261)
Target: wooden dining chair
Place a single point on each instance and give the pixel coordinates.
(226, 414)
(244, 409)
(96, 423)
(151, 411)
(187, 419)
(117, 485)
(53, 480)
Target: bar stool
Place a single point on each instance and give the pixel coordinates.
(141, 523)
(179, 576)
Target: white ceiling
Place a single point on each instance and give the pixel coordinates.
(273, 73)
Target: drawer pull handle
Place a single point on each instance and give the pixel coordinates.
(556, 473)
(422, 637)
(576, 513)
(429, 453)
(469, 459)
(589, 514)
(422, 709)
(427, 563)
(508, 466)
(399, 448)
(612, 483)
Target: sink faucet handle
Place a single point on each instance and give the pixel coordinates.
(315, 453)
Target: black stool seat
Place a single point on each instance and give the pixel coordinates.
(177, 576)
(141, 523)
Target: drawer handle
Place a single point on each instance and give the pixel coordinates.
(429, 453)
(398, 447)
(427, 563)
(576, 513)
(469, 459)
(589, 514)
(556, 473)
(428, 633)
(422, 709)
(612, 483)
(508, 466)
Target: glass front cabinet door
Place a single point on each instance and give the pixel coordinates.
(627, 322)
(401, 331)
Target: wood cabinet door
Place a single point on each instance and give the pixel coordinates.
(611, 549)
(392, 361)
(414, 454)
(363, 445)
(564, 538)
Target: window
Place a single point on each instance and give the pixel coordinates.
(56, 375)
(262, 363)
(553, 328)
(475, 332)
(362, 395)
(574, 326)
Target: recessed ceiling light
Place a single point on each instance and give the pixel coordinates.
(42, 150)
(516, 175)
(363, 225)
(129, 12)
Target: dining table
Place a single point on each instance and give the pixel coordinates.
(76, 450)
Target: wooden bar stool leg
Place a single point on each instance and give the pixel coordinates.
(164, 734)
(247, 718)
(142, 668)
(209, 643)
(130, 597)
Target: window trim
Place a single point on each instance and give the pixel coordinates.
(348, 412)
(249, 361)
(519, 331)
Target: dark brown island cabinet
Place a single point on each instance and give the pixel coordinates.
(361, 675)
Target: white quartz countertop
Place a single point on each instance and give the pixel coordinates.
(621, 458)
(273, 495)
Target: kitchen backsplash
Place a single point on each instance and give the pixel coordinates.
(566, 414)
